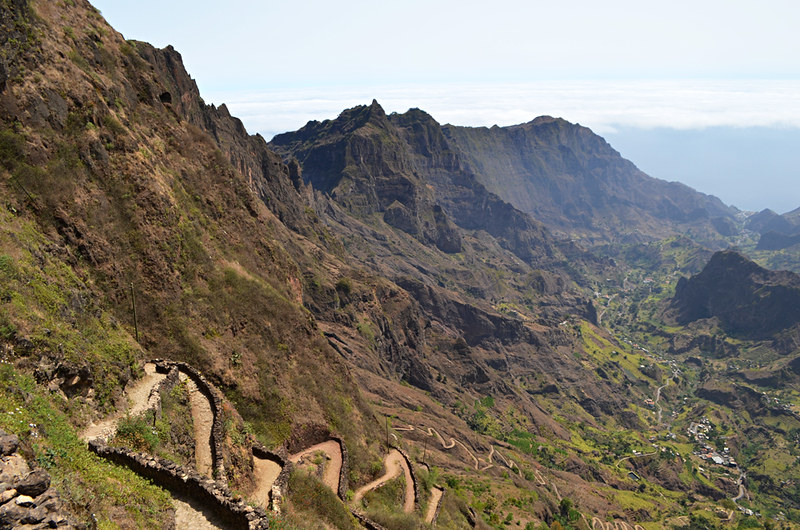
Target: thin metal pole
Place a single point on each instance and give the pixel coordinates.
(135, 320)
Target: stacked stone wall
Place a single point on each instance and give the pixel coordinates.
(214, 399)
(184, 481)
(416, 484)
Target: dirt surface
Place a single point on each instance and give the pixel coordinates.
(333, 465)
(266, 471)
(203, 420)
(599, 524)
(436, 497)
(137, 396)
(433, 432)
(190, 514)
(395, 464)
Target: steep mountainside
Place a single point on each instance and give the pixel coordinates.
(489, 284)
(184, 312)
(401, 167)
(749, 301)
(573, 181)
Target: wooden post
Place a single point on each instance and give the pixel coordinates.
(135, 320)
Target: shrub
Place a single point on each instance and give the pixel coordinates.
(136, 432)
(308, 494)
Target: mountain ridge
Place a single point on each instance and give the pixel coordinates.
(575, 181)
(361, 290)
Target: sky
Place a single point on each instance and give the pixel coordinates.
(668, 72)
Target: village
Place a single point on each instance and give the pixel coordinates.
(699, 433)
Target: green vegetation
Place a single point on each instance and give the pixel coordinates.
(309, 498)
(87, 483)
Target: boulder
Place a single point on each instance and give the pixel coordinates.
(8, 443)
(34, 483)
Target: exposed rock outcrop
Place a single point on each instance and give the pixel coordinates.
(749, 301)
(572, 180)
(26, 497)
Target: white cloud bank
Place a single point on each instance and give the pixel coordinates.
(601, 105)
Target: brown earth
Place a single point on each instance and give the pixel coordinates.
(333, 464)
(395, 464)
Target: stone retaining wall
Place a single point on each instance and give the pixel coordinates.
(366, 522)
(438, 507)
(345, 471)
(185, 481)
(214, 399)
(281, 485)
(417, 492)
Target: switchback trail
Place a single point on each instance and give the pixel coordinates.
(138, 398)
(203, 419)
(395, 464)
(332, 468)
(433, 432)
(436, 498)
(188, 513)
(266, 472)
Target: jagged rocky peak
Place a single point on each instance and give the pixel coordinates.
(749, 301)
(404, 167)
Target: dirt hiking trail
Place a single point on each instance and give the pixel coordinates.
(266, 472)
(138, 398)
(190, 514)
(333, 466)
(203, 419)
(395, 464)
(436, 498)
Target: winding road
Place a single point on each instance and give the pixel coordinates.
(742, 490)
(658, 398)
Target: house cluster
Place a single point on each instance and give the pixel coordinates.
(699, 433)
(720, 459)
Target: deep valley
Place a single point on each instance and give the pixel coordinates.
(374, 321)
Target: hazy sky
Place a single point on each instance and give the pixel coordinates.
(611, 65)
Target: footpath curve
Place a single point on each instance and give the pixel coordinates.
(200, 502)
(140, 398)
(395, 464)
(332, 469)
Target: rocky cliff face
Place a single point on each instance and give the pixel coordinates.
(573, 181)
(398, 195)
(404, 169)
(749, 301)
(369, 273)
